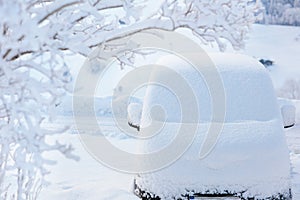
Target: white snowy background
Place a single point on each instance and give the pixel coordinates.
(89, 179)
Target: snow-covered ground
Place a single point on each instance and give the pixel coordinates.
(293, 140)
(89, 179)
(280, 44)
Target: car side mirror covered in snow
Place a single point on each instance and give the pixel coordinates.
(134, 112)
(288, 112)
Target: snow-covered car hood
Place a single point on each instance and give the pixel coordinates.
(248, 156)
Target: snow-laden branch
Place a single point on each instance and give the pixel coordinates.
(211, 21)
(34, 34)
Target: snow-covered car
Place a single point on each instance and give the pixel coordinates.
(250, 159)
(288, 112)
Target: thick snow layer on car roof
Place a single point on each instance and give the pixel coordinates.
(234, 62)
(248, 90)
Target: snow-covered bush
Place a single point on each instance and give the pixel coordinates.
(33, 78)
(274, 10)
(284, 12)
(34, 36)
(291, 16)
(290, 89)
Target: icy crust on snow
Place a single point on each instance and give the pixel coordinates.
(248, 90)
(250, 157)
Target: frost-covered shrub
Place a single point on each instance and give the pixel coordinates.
(284, 12)
(290, 89)
(33, 78)
(291, 16)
